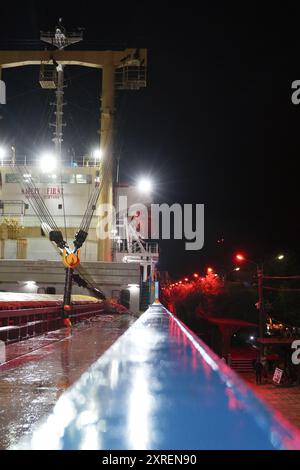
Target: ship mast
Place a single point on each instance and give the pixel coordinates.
(59, 39)
(59, 112)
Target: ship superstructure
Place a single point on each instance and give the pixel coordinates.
(65, 187)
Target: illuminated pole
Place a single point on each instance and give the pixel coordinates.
(58, 133)
(259, 270)
(261, 303)
(106, 145)
(2, 89)
(67, 290)
(2, 155)
(13, 150)
(156, 292)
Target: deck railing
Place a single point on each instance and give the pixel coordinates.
(20, 324)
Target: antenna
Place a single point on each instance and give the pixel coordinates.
(60, 38)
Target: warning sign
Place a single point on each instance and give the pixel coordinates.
(277, 376)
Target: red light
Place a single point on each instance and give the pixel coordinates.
(180, 282)
(240, 257)
(196, 275)
(186, 279)
(210, 270)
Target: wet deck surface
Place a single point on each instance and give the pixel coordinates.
(37, 371)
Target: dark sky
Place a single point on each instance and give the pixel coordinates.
(215, 125)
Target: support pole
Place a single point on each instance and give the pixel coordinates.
(156, 292)
(67, 293)
(261, 306)
(106, 144)
(58, 133)
(2, 89)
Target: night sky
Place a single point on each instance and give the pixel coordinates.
(215, 125)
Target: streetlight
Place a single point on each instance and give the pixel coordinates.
(2, 154)
(259, 270)
(48, 163)
(97, 154)
(280, 257)
(145, 185)
(11, 154)
(30, 284)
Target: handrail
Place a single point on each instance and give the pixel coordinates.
(160, 387)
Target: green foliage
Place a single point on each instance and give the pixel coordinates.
(211, 298)
(284, 304)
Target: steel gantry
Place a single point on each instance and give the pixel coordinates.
(122, 69)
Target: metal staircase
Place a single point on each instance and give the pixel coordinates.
(241, 365)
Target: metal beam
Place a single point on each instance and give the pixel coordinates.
(106, 144)
(95, 59)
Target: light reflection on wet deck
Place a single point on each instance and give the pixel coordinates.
(40, 369)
